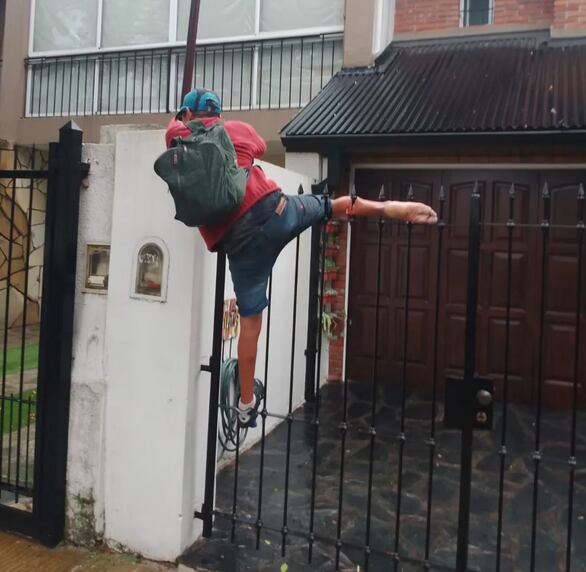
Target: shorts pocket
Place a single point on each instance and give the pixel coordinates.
(278, 229)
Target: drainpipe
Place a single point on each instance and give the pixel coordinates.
(190, 53)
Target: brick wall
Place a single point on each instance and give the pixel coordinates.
(523, 11)
(437, 15)
(570, 14)
(336, 347)
(426, 15)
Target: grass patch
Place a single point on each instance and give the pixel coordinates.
(19, 407)
(14, 356)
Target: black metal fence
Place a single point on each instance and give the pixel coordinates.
(18, 422)
(459, 481)
(37, 333)
(266, 74)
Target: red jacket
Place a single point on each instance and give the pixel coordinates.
(249, 145)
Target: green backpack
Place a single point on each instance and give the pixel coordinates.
(203, 175)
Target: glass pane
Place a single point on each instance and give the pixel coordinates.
(65, 25)
(279, 15)
(218, 19)
(291, 73)
(478, 12)
(128, 24)
(225, 69)
(62, 87)
(149, 271)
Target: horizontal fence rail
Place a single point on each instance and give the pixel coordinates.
(264, 74)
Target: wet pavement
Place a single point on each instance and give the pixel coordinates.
(407, 535)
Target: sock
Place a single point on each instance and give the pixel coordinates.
(244, 406)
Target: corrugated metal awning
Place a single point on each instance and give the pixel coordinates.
(514, 84)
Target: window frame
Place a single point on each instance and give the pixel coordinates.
(465, 14)
(173, 43)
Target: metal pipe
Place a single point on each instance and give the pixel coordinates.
(190, 50)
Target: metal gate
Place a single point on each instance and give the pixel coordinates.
(38, 244)
(416, 501)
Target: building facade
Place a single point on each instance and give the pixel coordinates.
(100, 62)
(483, 94)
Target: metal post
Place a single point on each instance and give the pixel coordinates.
(190, 50)
(313, 324)
(469, 367)
(215, 365)
(56, 338)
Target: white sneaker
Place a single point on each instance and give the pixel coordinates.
(247, 414)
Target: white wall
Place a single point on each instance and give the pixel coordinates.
(139, 401)
(85, 506)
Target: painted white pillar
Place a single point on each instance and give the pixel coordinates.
(154, 352)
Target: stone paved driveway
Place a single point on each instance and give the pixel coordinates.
(219, 554)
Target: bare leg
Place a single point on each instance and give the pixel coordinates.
(400, 210)
(247, 346)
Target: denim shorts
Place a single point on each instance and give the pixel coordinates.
(255, 241)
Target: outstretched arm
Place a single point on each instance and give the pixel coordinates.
(417, 213)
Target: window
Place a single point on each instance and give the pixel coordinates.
(64, 25)
(108, 57)
(476, 12)
(128, 24)
(218, 19)
(71, 26)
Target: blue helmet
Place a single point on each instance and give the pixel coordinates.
(202, 101)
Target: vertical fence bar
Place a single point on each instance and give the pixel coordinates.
(235, 491)
(545, 227)
(62, 81)
(290, 73)
(344, 424)
(431, 443)
(469, 367)
(70, 85)
(372, 430)
(6, 313)
(23, 333)
(28, 440)
(317, 390)
(401, 438)
(505, 404)
(242, 74)
(301, 74)
(264, 413)
(10, 424)
(290, 417)
(215, 366)
(281, 75)
(580, 227)
(260, 73)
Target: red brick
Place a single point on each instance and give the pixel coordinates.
(413, 16)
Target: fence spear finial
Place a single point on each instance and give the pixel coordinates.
(476, 189)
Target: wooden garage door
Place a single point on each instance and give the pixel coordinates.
(561, 283)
